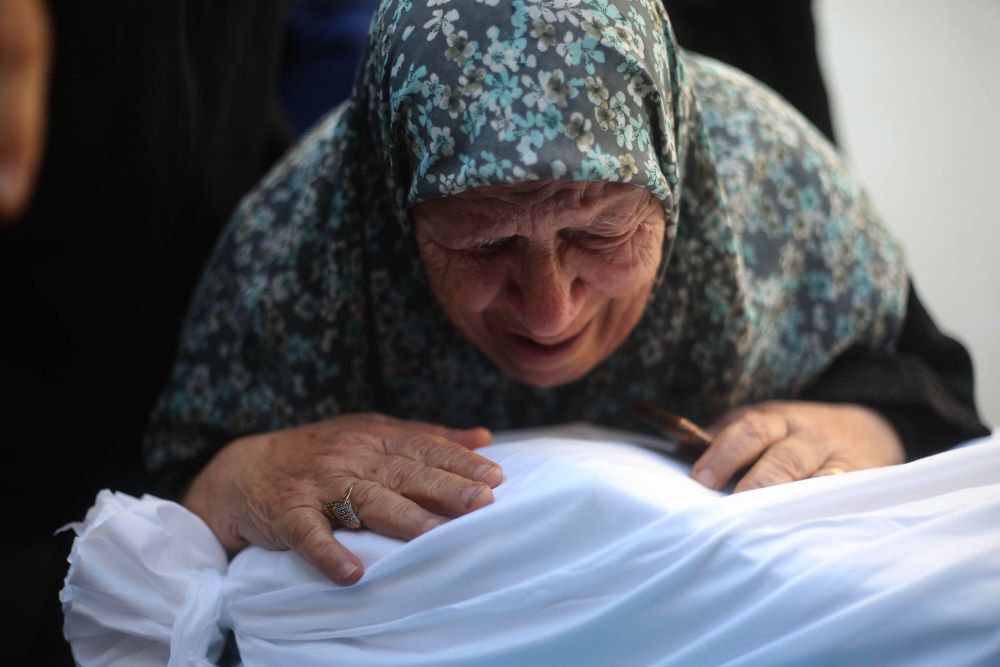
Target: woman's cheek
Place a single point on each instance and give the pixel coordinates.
(622, 271)
(467, 281)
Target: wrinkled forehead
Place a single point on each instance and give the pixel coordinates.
(508, 91)
(552, 203)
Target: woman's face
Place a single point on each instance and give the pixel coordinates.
(546, 278)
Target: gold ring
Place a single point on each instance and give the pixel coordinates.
(832, 470)
(343, 511)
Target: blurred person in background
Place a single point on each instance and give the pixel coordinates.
(128, 132)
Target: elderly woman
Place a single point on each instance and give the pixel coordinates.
(539, 211)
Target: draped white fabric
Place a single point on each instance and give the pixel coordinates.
(594, 553)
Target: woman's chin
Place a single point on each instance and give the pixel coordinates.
(545, 376)
(546, 379)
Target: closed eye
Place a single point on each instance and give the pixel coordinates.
(486, 245)
(594, 241)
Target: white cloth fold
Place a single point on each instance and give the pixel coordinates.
(594, 553)
(144, 585)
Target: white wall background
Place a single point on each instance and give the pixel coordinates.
(915, 90)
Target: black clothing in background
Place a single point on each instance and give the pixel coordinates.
(772, 40)
(162, 114)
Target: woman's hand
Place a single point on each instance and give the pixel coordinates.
(407, 477)
(785, 441)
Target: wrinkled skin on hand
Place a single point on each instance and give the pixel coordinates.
(785, 441)
(407, 477)
(24, 70)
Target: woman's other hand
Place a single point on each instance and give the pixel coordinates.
(407, 478)
(784, 441)
(24, 67)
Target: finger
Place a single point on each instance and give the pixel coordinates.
(790, 460)
(307, 532)
(441, 453)
(437, 490)
(738, 445)
(467, 437)
(388, 513)
(472, 438)
(24, 62)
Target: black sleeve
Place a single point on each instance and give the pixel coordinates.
(925, 389)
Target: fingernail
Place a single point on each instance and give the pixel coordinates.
(10, 182)
(469, 494)
(705, 477)
(482, 472)
(431, 524)
(347, 570)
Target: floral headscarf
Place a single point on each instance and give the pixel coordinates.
(316, 302)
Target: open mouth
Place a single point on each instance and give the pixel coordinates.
(543, 347)
(531, 352)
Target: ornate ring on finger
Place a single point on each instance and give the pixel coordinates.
(343, 511)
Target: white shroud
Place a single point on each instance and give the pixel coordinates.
(594, 553)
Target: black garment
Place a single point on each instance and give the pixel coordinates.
(772, 40)
(162, 114)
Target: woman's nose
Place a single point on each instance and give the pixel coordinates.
(547, 295)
